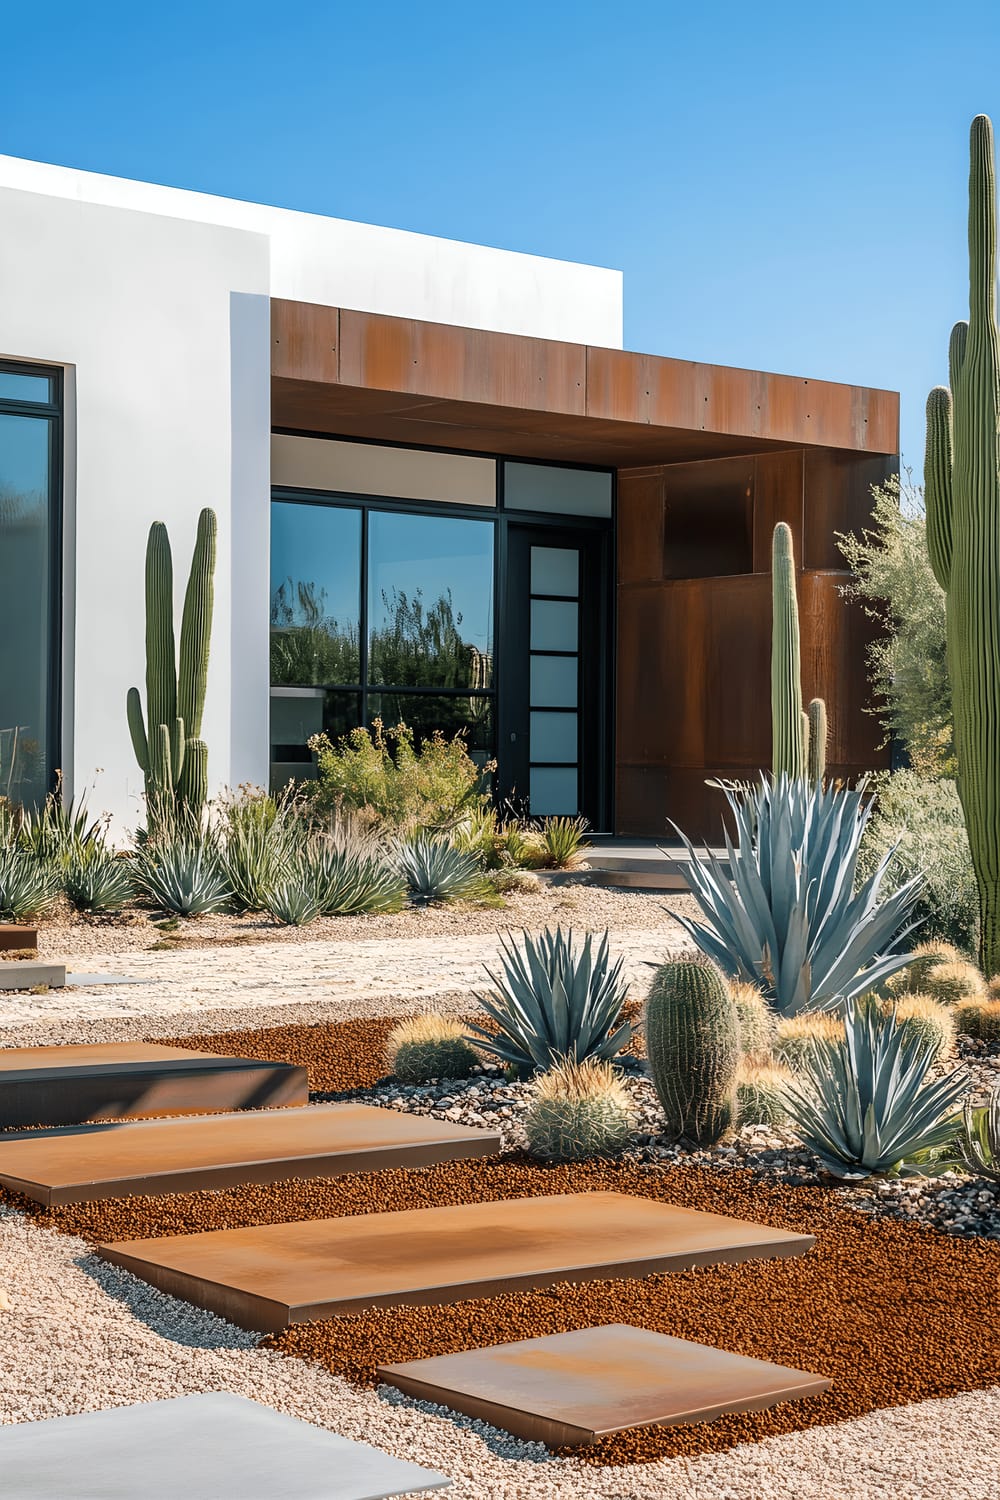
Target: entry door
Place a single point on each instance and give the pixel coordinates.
(554, 721)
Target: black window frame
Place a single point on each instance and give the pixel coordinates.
(52, 412)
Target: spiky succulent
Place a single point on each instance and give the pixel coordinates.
(798, 1037)
(293, 901)
(578, 1110)
(912, 979)
(863, 1106)
(432, 1046)
(28, 886)
(929, 1020)
(434, 870)
(182, 874)
(554, 999)
(97, 880)
(756, 1022)
(353, 876)
(782, 911)
(761, 1094)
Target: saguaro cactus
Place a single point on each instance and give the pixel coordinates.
(693, 1047)
(962, 481)
(168, 747)
(798, 739)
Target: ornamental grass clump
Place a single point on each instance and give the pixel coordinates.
(979, 1019)
(927, 1020)
(430, 1046)
(756, 1022)
(799, 1037)
(951, 982)
(693, 1049)
(578, 1110)
(863, 1106)
(784, 911)
(761, 1094)
(259, 838)
(554, 998)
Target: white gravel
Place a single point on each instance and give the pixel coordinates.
(80, 1335)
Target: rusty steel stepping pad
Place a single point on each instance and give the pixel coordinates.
(277, 1274)
(75, 1084)
(219, 1151)
(569, 1389)
(206, 1447)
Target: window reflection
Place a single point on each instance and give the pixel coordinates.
(315, 594)
(25, 606)
(430, 601)
(470, 717)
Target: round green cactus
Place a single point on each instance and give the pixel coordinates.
(577, 1111)
(693, 1047)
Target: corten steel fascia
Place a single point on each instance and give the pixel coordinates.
(434, 370)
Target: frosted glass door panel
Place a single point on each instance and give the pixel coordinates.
(555, 570)
(554, 682)
(553, 791)
(554, 626)
(554, 737)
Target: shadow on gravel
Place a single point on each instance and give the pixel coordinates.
(167, 1316)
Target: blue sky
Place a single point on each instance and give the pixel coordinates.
(782, 184)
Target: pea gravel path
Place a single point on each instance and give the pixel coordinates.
(80, 1335)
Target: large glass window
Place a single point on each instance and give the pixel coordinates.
(29, 535)
(378, 612)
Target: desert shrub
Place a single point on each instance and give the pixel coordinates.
(578, 1110)
(921, 817)
(928, 1020)
(431, 1046)
(508, 881)
(28, 886)
(798, 1037)
(554, 999)
(562, 841)
(756, 1022)
(907, 661)
(434, 870)
(761, 1094)
(382, 769)
(863, 1105)
(979, 1019)
(96, 880)
(951, 982)
(57, 830)
(182, 873)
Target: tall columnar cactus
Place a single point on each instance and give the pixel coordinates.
(693, 1047)
(168, 747)
(962, 479)
(798, 739)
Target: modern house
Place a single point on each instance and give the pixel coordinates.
(445, 494)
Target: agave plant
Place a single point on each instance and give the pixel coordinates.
(27, 885)
(96, 880)
(293, 900)
(783, 911)
(58, 829)
(253, 854)
(862, 1106)
(434, 870)
(182, 874)
(979, 1142)
(554, 1000)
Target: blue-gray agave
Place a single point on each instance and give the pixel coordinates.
(784, 913)
(862, 1104)
(434, 870)
(554, 1001)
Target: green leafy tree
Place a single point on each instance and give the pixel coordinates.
(907, 662)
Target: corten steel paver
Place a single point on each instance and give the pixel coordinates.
(573, 1388)
(218, 1151)
(210, 1447)
(15, 939)
(71, 1085)
(276, 1274)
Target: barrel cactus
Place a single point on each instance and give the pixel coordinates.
(927, 1020)
(578, 1110)
(962, 478)
(761, 1094)
(167, 742)
(430, 1046)
(799, 1036)
(951, 982)
(979, 1019)
(755, 1020)
(693, 1047)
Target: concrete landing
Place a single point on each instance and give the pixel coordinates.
(570, 1389)
(642, 864)
(219, 1151)
(71, 1085)
(276, 1274)
(211, 1447)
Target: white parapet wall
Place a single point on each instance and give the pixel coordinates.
(155, 303)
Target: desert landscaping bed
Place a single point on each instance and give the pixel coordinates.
(891, 1313)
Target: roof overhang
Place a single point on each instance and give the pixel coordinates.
(364, 375)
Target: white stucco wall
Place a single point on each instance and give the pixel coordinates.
(155, 302)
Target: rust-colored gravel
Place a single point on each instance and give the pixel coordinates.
(339, 1055)
(891, 1313)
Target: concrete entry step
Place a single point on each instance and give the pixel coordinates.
(642, 864)
(197, 1448)
(30, 973)
(219, 1151)
(572, 1388)
(268, 1277)
(72, 1085)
